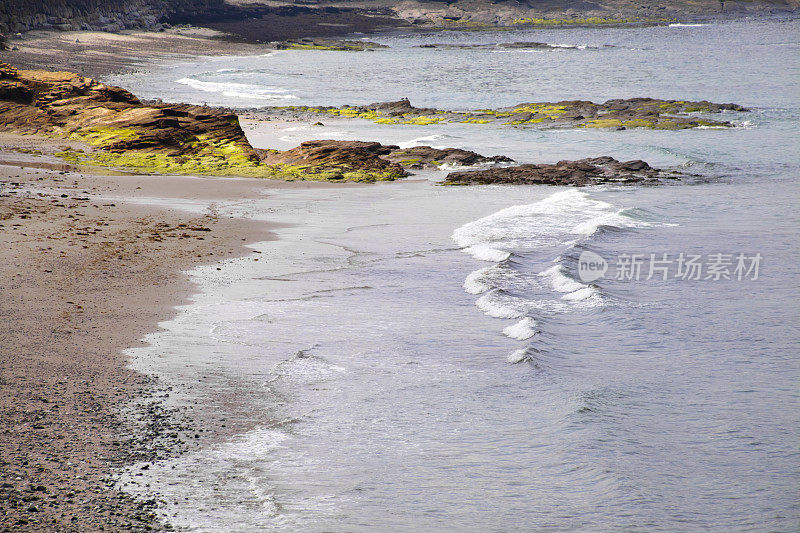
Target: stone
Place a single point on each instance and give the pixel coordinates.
(590, 171)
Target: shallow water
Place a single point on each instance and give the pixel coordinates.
(418, 357)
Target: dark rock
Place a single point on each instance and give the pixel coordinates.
(400, 107)
(327, 155)
(577, 173)
(426, 157)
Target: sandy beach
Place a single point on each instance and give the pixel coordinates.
(83, 279)
(95, 53)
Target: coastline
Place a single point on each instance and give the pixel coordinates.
(96, 54)
(83, 279)
(90, 270)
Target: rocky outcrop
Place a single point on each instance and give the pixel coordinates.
(576, 173)
(111, 118)
(104, 15)
(616, 114)
(120, 131)
(553, 13)
(336, 45)
(419, 157)
(264, 21)
(343, 156)
(399, 108)
(338, 158)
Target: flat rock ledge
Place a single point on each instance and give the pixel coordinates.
(391, 160)
(617, 114)
(590, 171)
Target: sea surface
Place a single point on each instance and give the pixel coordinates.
(412, 357)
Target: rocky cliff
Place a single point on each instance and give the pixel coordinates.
(106, 15)
(264, 20)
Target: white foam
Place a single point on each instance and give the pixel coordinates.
(573, 46)
(547, 221)
(476, 281)
(616, 219)
(560, 281)
(522, 330)
(580, 295)
(425, 141)
(517, 356)
(455, 167)
(238, 90)
(492, 305)
(681, 25)
(484, 252)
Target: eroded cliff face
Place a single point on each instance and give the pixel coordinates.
(546, 12)
(305, 18)
(105, 15)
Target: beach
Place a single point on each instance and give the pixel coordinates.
(84, 278)
(96, 54)
(248, 354)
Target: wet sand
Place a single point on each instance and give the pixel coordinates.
(82, 279)
(95, 54)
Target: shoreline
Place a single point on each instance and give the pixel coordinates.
(96, 54)
(90, 270)
(84, 279)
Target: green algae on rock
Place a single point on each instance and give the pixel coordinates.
(589, 21)
(618, 114)
(328, 45)
(124, 133)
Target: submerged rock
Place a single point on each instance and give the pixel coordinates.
(578, 173)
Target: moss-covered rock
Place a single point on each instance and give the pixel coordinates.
(621, 114)
(155, 138)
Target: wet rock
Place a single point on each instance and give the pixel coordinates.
(399, 107)
(343, 157)
(576, 173)
(111, 118)
(613, 114)
(328, 44)
(427, 157)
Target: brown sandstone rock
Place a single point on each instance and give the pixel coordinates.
(64, 104)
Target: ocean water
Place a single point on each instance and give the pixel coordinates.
(411, 357)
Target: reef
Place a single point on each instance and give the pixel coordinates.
(387, 161)
(578, 173)
(615, 114)
(328, 44)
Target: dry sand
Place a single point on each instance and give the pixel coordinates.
(83, 279)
